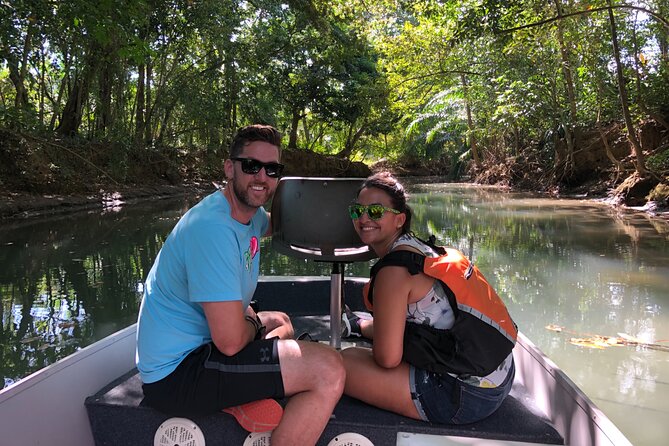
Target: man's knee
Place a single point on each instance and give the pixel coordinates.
(331, 368)
(312, 367)
(283, 318)
(276, 319)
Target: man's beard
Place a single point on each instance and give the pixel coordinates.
(242, 195)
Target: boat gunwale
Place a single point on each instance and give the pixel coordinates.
(607, 433)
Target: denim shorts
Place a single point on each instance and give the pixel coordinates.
(441, 398)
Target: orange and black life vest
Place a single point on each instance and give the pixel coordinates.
(483, 334)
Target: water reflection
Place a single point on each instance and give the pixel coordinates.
(66, 282)
(581, 266)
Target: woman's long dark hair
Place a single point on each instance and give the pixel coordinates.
(386, 182)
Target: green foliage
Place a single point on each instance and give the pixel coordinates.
(660, 194)
(367, 79)
(440, 129)
(19, 119)
(659, 162)
(657, 87)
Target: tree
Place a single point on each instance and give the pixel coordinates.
(622, 90)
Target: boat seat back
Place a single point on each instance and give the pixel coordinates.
(310, 220)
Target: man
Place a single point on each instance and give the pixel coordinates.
(200, 347)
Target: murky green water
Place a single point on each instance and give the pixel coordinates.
(68, 281)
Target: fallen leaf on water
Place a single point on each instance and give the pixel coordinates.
(629, 338)
(589, 343)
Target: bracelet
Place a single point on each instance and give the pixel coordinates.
(257, 325)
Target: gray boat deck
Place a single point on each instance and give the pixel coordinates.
(118, 418)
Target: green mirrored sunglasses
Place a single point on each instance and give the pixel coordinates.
(374, 211)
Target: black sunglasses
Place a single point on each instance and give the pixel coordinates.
(375, 211)
(251, 166)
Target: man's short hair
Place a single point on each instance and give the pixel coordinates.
(255, 132)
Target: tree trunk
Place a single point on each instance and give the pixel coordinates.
(571, 95)
(230, 121)
(619, 166)
(19, 83)
(42, 85)
(661, 36)
(56, 102)
(139, 104)
(317, 136)
(294, 123)
(148, 128)
(566, 66)
(73, 111)
(663, 43)
(21, 98)
(103, 118)
(165, 122)
(118, 113)
(631, 132)
(307, 132)
(351, 140)
(470, 123)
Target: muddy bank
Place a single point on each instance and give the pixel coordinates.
(18, 205)
(49, 176)
(40, 175)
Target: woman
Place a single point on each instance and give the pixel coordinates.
(380, 376)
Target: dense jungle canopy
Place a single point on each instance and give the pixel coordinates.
(536, 94)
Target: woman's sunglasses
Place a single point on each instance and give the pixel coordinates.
(252, 167)
(374, 211)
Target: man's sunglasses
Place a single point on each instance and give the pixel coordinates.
(374, 211)
(252, 167)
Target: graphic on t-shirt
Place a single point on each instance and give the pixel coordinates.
(254, 247)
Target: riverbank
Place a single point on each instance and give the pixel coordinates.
(20, 205)
(41, 176)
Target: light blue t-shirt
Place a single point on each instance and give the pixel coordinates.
(208, 257)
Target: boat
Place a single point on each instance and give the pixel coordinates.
(93, 397)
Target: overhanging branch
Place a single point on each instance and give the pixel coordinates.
(437, 73)
(659, 18)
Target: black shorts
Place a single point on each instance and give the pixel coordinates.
(208, 381)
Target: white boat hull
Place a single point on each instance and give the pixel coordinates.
(47, 407)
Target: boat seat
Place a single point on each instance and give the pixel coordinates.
(118, 418)
(310, 221)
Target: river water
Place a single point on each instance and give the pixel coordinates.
(70, 280)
